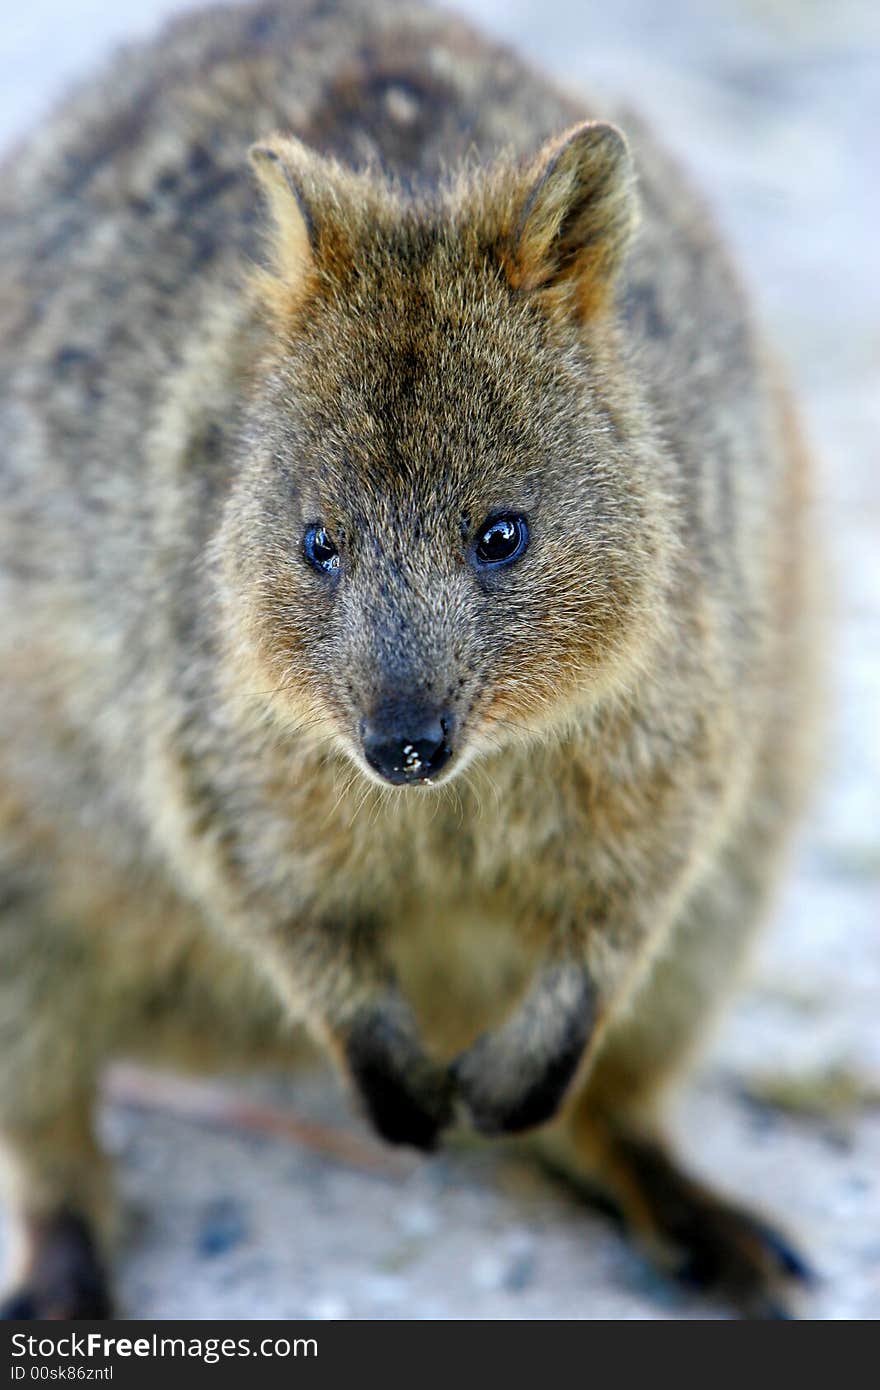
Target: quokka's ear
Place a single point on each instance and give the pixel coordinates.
(307, 234)
(575, 221)
(281, 166)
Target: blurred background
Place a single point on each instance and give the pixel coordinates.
(774, 105)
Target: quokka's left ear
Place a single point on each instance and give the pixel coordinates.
(575, 221)
(312, 203)
(282, 166)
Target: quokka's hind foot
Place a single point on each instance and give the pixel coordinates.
(703, 1240)
(64, 1277)
(700, 1239)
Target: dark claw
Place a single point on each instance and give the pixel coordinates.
(791, 1263)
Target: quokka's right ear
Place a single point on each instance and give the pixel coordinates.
(575, 220)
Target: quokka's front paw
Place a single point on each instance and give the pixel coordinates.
(504, 1093)
(65, 1280)
(407, 1097)
(517, 1078)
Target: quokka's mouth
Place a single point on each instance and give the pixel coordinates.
(419, 778)
(406, 747)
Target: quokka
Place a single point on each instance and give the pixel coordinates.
(407, 612)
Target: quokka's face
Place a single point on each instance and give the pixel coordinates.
(442, 537)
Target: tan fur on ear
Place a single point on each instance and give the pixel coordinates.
(576, 221)
(279, 164)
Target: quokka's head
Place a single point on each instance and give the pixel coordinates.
(446, 532)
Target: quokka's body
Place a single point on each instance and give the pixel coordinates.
(480, 486)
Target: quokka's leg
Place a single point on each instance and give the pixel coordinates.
(56, 1180)
(611, 1134)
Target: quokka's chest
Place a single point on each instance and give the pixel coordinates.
(491, 840)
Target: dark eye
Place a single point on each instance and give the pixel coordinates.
(502, 541)
(320, 550)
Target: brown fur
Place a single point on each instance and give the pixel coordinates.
(470, 297)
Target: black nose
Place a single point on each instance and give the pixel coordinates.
(405, 747)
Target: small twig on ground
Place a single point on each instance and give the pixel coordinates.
(220, 1107)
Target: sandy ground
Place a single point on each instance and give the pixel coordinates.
(775, 108)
